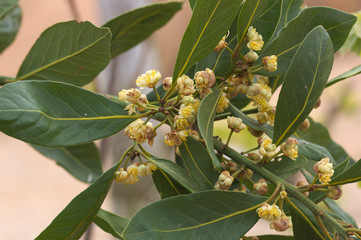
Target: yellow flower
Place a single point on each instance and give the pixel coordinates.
(255, 40)
(140, 132)
(270, 63)
(269, 212)
(290, 148)
(222, 104)
(324, 169)
(148, 79)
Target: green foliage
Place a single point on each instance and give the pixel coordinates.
(10, 18)
(206, 215)
(81, 161)
(60, 119)
(69, 52)
(209, 23)
(72, 222)
(110, 223)
(135, 26)
(304, 83)
(33, 107)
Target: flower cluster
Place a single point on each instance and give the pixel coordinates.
(148, 79)
(135, 99)
(324, 170)
(140, 132)
(267, 148)
(235, 124)
(133, 172)
(290, 148)
(224, 182)
(204, 81)
(277, 218)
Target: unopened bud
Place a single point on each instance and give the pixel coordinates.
(261, 187)
(194, 134)
(304, 125)
(232, 166)
(281, 224)
(318, 103)
(235, 124)
(251, 56)
(270, 63)
(167, 83)
(254, 156)
(254, 90)
(254, 132)
(334, 192)
(262, 117)
(224, 182)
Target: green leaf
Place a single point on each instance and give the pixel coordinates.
(250, 121)
(304, 222)
(199, 163)
(286, 167)
(69, 52)
(55, 114)
(10, 19)
(176, 172)
(205, 118)
(313, 151)
(166, 185)
(339, 212)
(318, 134)
(275, 237)
(110, 223)
(341, 167)
(304, 83)
(337, 24)
(72, 222)
(207, 215)
(192, 3)
(81, 161)
(350, 175)
(209, 23)
(290, 9)
(264, 15)
(134, 26)
(353, 72)
(6, 6)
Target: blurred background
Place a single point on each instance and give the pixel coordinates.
(33, 189)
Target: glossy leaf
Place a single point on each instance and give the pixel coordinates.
(10, 19)
(337, 24)
(72, 222)
(110, 223)
(286, 167)
(209, 23)
(350, 175)
(340, 168)
(353, 72)
(313, 151)
(199, 163)
(304, 83)
(56, 114)
(264, 15)
(303, 222)
(250, 121)
(134, 26)
(318, 134)
(81, 161)
(222, 215)
(166, 185)
(290, 9)
(176, 172)
(205, 118)
(69, 52)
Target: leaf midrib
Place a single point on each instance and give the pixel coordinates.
(63, 58)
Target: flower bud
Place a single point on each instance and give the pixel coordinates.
(262, 117)
(254, 156)
(318, 103)
(263, 79)
(251, 56)
(177, 151)
(324, 169)
(167, 83)
(235, 124)
(254, 90)
(254, 132)
(205, 79)
(304, 125)
(194, 134)
(283, 194)
(185, 85)
(281, 224)
(270, 63)
(249, 172)
(232, 166)
(224, 182)
(290, 148)
(261, 187)
(334, 192)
